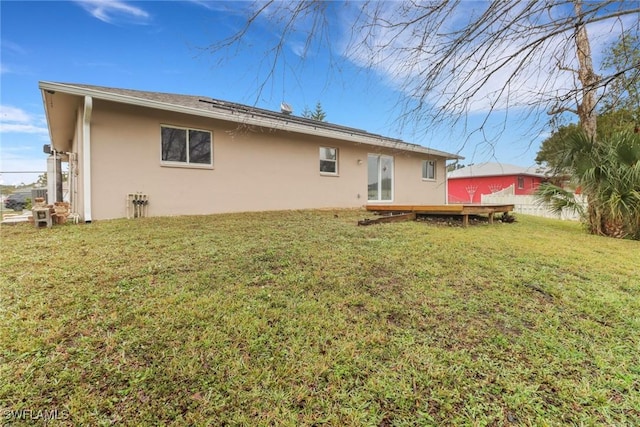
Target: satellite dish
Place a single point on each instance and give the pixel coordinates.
(285, 108)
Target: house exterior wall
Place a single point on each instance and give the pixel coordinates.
(459, 188)
(253, 169)
(409, 187)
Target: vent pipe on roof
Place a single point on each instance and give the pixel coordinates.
(285, 108)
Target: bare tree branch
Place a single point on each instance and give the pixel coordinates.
(450, 60)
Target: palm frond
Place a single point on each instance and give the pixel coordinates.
(608, 172)
(557, 199)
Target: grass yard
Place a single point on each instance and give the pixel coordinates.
(304, 318)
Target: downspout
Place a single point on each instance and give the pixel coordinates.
(51, 177)
(73, 183)
(54, 193)
(86, 156)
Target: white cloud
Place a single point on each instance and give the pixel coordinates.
(211, 5)
(22, 162)
(299, 49)
(21, 128)
(16, 120)
(9, 46)
(404, 56)
(13, 114)
(110, 11)
(21, 150)
(19, 157)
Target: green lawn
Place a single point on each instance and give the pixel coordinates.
(304, 318)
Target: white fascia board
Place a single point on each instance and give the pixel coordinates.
(247, 118)
(46, 113)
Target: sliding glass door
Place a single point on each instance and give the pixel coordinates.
(380, 178)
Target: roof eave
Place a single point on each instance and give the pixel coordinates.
(46, 114)
(498, 175)
(247, 118)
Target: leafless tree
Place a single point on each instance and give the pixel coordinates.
(452, 57)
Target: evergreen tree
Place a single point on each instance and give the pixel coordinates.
(318, 114)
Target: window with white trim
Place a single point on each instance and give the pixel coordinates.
(328, 161)
(429, 169)
(184, 146)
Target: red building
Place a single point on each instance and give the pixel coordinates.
(467, 184)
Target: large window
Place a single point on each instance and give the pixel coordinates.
(429, 169)
(380, 178)
(328, 161)
(186, 146)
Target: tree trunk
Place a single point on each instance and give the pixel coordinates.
(586, 75)
(587, 105)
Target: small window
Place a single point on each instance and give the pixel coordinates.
(429, 169)
(328, 160)
(520, 182)
(186, 146)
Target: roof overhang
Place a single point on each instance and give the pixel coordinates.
(61, 102)
(60, 109)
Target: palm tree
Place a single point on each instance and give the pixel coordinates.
(558, 200)
(608, 172)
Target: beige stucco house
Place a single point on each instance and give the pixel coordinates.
(197, 155)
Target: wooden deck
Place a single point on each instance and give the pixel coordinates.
(401, 211)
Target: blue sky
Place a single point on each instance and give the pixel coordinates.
(161, 46)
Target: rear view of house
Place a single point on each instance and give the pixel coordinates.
(182, 155)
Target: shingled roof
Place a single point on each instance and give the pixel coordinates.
(495, 169)
(234, 112)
